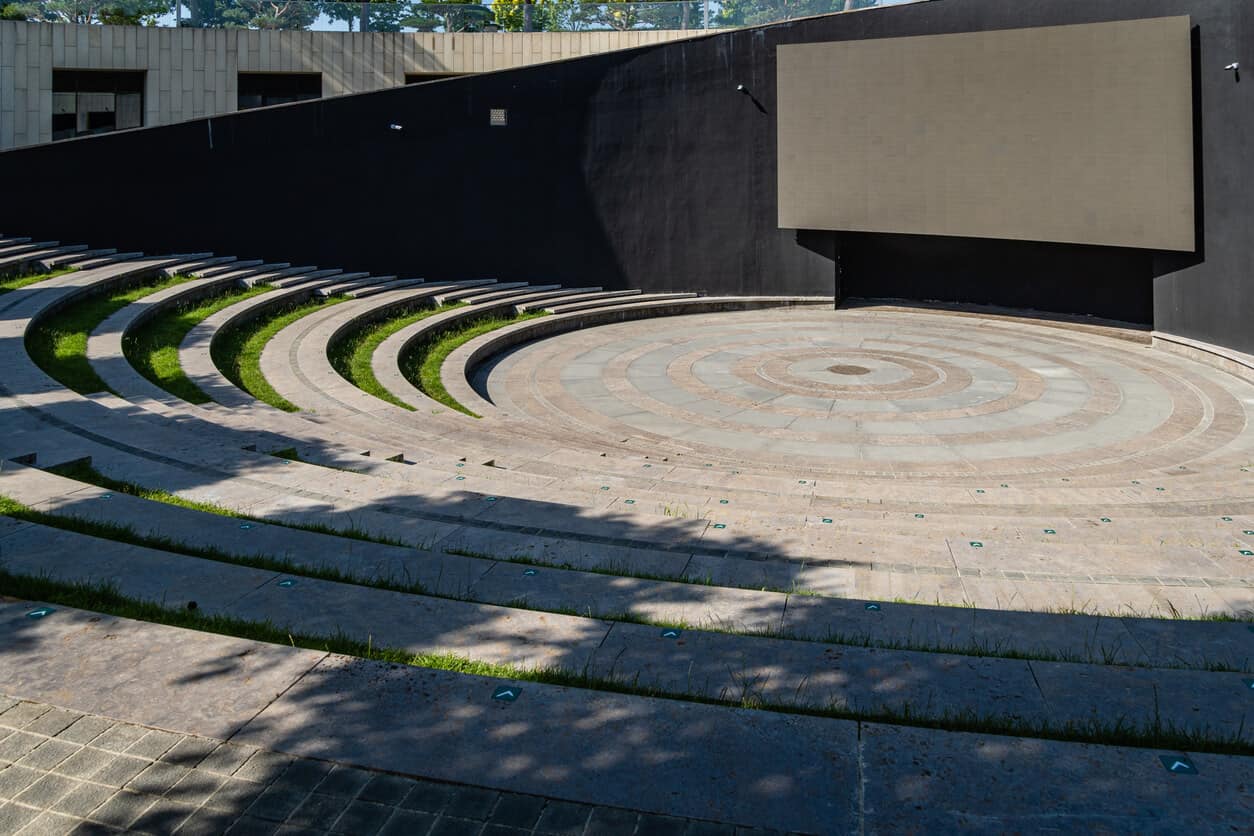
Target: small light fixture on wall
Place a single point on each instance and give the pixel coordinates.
(395, 127)
(740, 88)
(1235, 69)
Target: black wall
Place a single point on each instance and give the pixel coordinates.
(637, 169)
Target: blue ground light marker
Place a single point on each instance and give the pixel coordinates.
(1178, 764)
(489, 499)
(287, 583)
(1249, 684)
(461, 478)
(245, 526)
(42, 612)
(722, 502)
(976, 544)
(106, 496)
(629, 501)
(719, 525)
(1050, 531)
(918, 516)
(872, 607)
(529, 572)
(671, 633)
(1246, 552)
(1248, 532)
(605, 487)
(1105, 519)
(461, 464)
(506, 693)
(1226, 519)
(827, 519)
(979, 490)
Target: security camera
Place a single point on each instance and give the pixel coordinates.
(1233, 66)
(740, 88)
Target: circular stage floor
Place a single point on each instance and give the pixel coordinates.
(886, 391)
(942, 457)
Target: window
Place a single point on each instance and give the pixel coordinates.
(88, 102)
(264, 89)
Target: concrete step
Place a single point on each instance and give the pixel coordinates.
(661, 756)
(580, 297)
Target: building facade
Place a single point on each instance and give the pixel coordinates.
(63, 80)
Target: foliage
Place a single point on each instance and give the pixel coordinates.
(379, 15)
(446, 15)
(353, 355)
(120, 12)
(58, 343)
(237, 350)
(422, 361)
(18, 282)
(752, 12)
(153, 347)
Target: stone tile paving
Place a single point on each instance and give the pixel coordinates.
(64, 772)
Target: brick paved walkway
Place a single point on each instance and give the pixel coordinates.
(66, 772)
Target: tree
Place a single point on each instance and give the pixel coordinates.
(367, 16)
(127, 12)
(454, 16)
(752, 12)
(270, 14)
(545, 15)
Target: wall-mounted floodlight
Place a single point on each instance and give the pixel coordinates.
(740, 88)
(396, 127)
(1234, 66)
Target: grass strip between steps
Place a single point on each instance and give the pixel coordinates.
(18, 282)
(237, 350)
(58, 343)
(421, 362)
(125, 534)
(153, 347)
(83, 472)
(352, 355)
(105, 599)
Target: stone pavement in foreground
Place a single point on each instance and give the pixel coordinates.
(66, 772)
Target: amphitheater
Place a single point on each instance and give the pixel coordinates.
(295, 547)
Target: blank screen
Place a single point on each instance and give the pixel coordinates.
(1080, 134)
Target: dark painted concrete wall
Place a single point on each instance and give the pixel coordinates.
(641, 169)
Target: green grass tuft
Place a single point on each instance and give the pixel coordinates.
(125, 534)
(352, 355)
(237, 351)
(106, 599)
(84, 472)
(18, 282)
(153, 347)
(422, 361)
(58, 343)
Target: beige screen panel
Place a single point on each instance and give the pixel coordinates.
(1079, 134)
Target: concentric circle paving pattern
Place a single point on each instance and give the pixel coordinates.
(871, 392)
